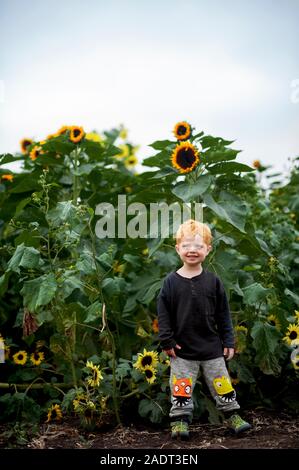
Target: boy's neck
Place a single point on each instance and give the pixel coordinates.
(190, 271)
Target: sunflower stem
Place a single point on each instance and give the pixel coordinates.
(75, 176)
(113, 347)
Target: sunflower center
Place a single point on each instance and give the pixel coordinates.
(186, 157)
(272, 322)
(293, 335)
(77, 132)
(146, 361)
(149, 373)
(181, 130)
(95, 374)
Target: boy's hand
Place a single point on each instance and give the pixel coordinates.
(171, 352)
(228, 353)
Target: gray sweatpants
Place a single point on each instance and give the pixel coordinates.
(183, 376)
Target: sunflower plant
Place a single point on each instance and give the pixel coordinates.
(90, 299)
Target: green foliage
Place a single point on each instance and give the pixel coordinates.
(73, 296)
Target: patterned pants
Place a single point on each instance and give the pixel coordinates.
(183, 376)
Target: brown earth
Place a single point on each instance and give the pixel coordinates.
(270, 430)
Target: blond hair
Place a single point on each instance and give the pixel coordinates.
(193, 227)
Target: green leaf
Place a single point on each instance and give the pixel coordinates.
(230, 208)
(113, 286)
(27, 182)
(188, 192)
(146, 295)
(4, 282)
(293, 296)
(44, 316)
(265, 341)
(220, 155)
(123, 369)
(71, 282)
(64, 212)
(255, 293)
(210, 141)
(94, 312)
(163, 145)
(150, 409)
(229, 167)
(25, 257)
(8, 158)
(160, 160)
(58, 146)
(166, 171)
(86, 263)
(84, 169)
(39, 291)
(265, 338)
(23, 203)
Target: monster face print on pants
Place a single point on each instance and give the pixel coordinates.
(181, 391)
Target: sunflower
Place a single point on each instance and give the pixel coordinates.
(7, 177)
(24, 144)
(37, 358)
(94, 137)
(130, 161)
(155, 325)
(297, 315)
(118, 267)
(273, 320)
(150, 374)
(49, 137)
(123, 133)
(146, 359)
(35, 152)
(76, 134)
(96, 377)
(182, 130)
(62, 130)
(54, 413)
(125, 151)
(292, 335)
(241, 328)
(80, 402)
(185, 157)
(256, 164)
(20, 357)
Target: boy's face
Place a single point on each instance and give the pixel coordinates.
(193, 250)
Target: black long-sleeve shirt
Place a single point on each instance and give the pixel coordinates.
(194, 313)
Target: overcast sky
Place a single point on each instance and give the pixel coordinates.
(230, 68)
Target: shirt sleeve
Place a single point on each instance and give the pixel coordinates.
(166, 333)
(223, 317)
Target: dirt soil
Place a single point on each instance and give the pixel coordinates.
(270, 430)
